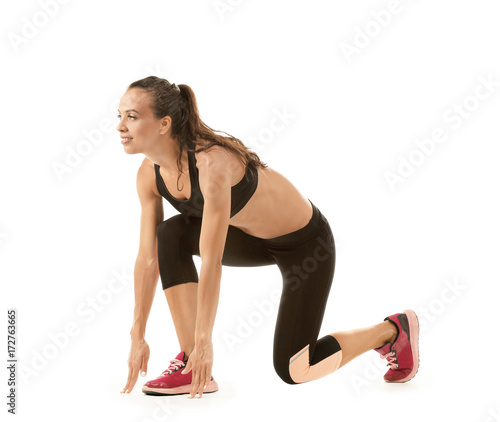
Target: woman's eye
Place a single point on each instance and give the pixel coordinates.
(132, 117)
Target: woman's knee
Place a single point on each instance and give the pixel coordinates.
(281, 366)
(177, 242)
(301, 367)
(284, 375)
(171, 227)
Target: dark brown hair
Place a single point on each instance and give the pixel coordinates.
(187, 127)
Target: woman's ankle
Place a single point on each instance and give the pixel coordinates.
(392, 332)
(187, 352)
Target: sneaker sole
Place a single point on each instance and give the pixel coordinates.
(212, 387)
(414, 329)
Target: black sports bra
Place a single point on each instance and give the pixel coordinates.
(193, 206)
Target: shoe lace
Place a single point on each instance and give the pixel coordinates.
(174, 365)
(391, 359)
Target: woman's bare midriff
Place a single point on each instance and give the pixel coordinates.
(276, 208)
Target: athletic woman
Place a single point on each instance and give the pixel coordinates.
(233, 210)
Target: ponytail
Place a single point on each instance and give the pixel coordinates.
(179, 102)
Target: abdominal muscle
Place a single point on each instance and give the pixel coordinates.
(276, 208)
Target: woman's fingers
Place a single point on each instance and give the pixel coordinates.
(198, 387)
(201, 385)
(201, 379)
(194, 383)
(206, 381)
(208, 376)
(201, 367)
(144, 366)
(128, 380)
(137, 362)
(133, 375)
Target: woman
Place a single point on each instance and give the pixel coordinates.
(234, 210)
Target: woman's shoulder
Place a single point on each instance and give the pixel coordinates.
(219, 162)
(216, 155)
(146, 178)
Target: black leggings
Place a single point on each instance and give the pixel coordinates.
(306, 259)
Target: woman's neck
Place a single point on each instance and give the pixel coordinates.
(166, 155)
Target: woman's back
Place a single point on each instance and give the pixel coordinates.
(275, 208)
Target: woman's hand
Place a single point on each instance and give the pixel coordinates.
(200, 362)
(137, 362)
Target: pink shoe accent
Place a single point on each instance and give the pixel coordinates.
(182, 389)
(402, 355)
(172, 381)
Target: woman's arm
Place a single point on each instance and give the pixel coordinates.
(215, 184)
(215, 222)
(145, 281)
(146, 273)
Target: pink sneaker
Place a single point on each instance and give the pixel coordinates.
(172, 382)
(402, 355)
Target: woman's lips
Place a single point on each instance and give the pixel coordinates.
(126, 140)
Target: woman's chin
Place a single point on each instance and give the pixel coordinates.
(130, 149)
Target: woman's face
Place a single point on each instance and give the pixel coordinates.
(137, 122)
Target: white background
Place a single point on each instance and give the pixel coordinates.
(65, 237)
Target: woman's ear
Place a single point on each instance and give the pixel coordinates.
(165, 125)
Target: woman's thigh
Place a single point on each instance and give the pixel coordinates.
(307, 268)
(179, 240)
(244, 250)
